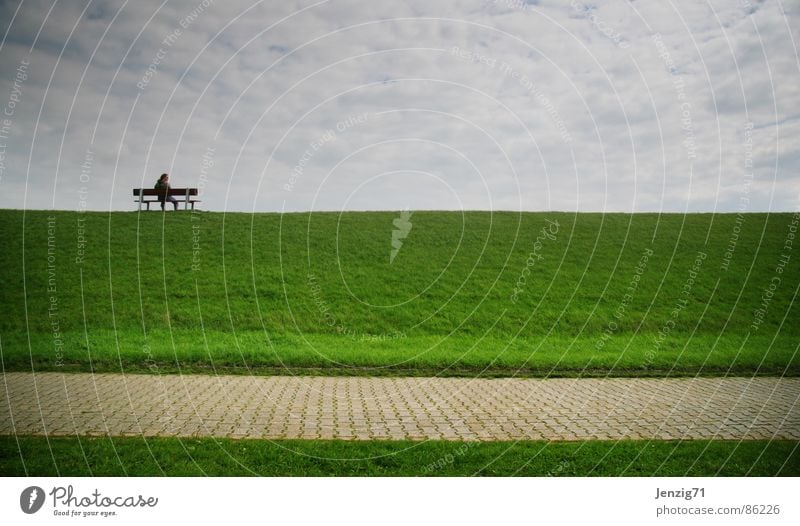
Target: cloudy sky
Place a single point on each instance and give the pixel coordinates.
(361, 105)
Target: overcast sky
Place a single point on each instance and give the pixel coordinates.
(365, 105)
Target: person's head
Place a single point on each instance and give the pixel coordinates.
(164, 177)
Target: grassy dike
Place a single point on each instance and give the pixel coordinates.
(471, 293)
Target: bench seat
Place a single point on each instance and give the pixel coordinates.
(145, 196)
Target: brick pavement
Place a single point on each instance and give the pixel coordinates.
(399, 408)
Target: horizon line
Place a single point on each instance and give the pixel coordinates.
(394, 210)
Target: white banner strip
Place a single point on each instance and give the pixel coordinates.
(401, 501)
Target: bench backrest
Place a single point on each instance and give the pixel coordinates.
(161, 191)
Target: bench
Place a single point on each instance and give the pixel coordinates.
(145, 196)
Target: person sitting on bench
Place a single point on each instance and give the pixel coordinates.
(163, 184)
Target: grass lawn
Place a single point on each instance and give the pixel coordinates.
(466, 293)
(195, 457)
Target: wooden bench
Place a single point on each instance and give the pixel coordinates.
(145, 196)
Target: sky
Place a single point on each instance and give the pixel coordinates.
(617, 106)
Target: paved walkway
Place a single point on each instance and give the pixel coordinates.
(399, 408)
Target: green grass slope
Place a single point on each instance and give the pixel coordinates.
(465, 293)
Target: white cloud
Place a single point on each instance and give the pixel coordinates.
(548, 105)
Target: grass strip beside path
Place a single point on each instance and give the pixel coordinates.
(254, 352)
(136, 456)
